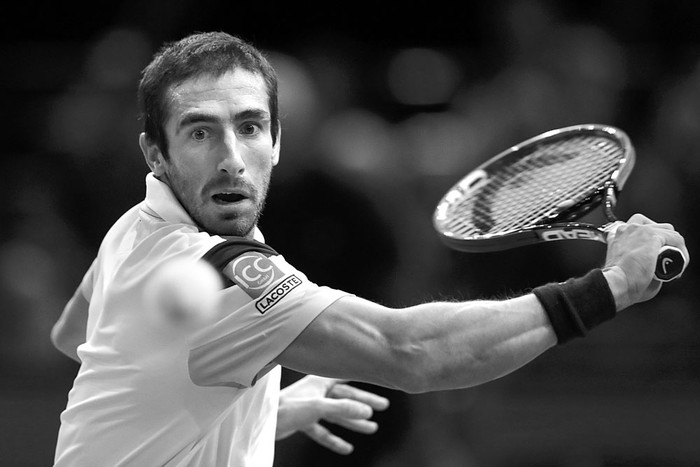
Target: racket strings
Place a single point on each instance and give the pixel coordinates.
(519, 181)
(537, 186)
(545, 186)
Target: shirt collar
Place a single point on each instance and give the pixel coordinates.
(161, 201)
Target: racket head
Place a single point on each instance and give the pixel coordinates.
(535, 191)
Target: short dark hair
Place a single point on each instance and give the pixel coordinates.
(199, 54)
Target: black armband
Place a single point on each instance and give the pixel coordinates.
(223, 253)
(577, 305)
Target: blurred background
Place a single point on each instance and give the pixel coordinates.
(383, 109)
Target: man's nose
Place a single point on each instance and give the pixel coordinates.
(231, 155)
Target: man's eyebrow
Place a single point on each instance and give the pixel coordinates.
(202, 117)
(256, 114)
(196, 117)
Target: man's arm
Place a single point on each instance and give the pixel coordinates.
(436, 346)
(432, 346)
(69, 331)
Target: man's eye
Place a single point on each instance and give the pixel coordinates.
(250, 129)
(200, 134)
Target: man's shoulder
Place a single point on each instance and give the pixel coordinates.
(138, 232)
(230, 248)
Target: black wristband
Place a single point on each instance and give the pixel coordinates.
(578, 305)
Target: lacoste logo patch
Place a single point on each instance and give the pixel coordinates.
(277, 293)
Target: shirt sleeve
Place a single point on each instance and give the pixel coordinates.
(87, 285)
(269, 304)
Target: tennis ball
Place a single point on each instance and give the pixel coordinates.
(182, 294)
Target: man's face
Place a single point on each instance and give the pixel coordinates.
(221, 150)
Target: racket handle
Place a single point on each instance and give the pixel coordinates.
(669, 264)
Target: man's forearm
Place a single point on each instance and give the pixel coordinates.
(432, 346)
(456, 345)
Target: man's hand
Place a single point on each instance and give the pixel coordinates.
(631, 259)
(312, 399)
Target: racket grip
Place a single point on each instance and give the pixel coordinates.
(670, 263)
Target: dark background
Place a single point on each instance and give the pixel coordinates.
(383, 109)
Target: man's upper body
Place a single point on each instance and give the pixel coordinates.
(212, 136)
(167, 398)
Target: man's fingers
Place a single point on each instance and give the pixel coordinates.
(665, 234)
(666, 226)
(325, 438)
(669, 237)
(665, 231)
(345, 408)
(350, 414)
(345, 391)
(640, 219)
(365, 427)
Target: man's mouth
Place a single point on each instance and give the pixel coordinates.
(227, 198)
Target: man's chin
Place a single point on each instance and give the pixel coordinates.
(230, 227)
(237, 219)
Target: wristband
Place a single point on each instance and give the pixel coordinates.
(578, 305)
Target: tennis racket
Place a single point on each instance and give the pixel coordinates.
(536, 191)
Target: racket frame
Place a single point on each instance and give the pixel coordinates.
(559, 227)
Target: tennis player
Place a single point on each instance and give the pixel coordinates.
(147, 396)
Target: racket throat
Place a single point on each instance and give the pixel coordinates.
(610, 201)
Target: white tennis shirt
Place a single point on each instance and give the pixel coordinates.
(146, 397)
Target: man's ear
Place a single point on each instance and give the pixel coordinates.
(152, 154)
(277, 146)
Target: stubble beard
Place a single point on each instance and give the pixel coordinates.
(191, 202)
